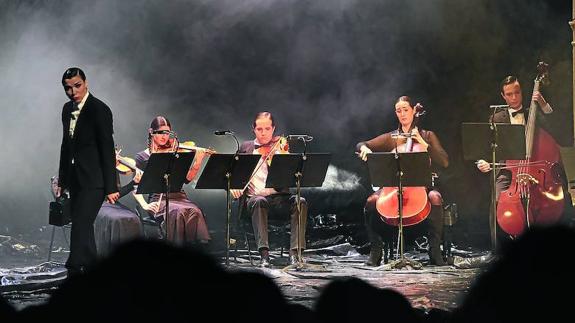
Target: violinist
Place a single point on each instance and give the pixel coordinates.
(426, 141)
(261, 200)
(185, 223)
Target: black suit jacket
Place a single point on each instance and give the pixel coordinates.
(88, 159)
(503, 117)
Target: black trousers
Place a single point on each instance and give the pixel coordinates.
(282, 205)
(85, 204)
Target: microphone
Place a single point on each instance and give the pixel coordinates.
(500, 106)
(223, 132)
(300, 137)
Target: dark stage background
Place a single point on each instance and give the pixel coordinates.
(328, 68)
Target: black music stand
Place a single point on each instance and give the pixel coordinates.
(298, 170)
(493, 141)
(165, 173)
(568, 161)
(400, 170)
(227, 172)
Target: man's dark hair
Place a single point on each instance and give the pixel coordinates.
(71, 72)
(262, 115)
(508, 80)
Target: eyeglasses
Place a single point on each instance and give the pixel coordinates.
(161, 132)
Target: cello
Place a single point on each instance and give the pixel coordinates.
(535, 195)
(416, 206)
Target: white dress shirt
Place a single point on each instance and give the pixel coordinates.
(76, 113)
(257, 185)
(519, 118)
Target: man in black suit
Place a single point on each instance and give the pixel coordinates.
(261, 199)
(515, 114)
(87, 165)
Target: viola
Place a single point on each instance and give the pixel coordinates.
(535, 195)
(182, 147)
(191, 146)
(278, 145)
(416, 206)
(125, 165)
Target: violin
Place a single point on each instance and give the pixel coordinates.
(191, 146)
(125, 165)
(278, 145)
(183, 147)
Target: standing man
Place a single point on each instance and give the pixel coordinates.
(261, 200)
(87, 165)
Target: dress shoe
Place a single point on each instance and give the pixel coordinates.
(293, 260)
(435, 257)
(265, 258)
(75, 271)
(265, 261)
(375, 255)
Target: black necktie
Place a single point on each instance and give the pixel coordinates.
(513, 114)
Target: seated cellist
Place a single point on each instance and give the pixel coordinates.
(427, 141)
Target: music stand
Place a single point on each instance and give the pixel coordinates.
(227, 172)
(493, 141)
(165, 173)
(568, 161)
(298, 170)
(400, 170)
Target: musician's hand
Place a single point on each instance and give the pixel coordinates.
(363, 151)
(417, 136)
(112, 197)
(153, 207)
(138, 176)
(236, 193)
(537, 96)
(483, 166)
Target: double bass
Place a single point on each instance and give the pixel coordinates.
(535, 195)
(416, 206)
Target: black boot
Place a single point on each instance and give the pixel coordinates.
(375, 254)
(435, 234)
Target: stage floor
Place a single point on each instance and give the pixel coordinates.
(25, 283)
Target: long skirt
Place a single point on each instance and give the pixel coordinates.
(186, 222)
(115, 224)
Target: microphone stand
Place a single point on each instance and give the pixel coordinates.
(229, 198)
(300, 264)
(494, 176)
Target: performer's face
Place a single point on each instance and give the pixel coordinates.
(512, 95)
(162, 138)
(75, 88)
(404, 113)
(264, 130)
